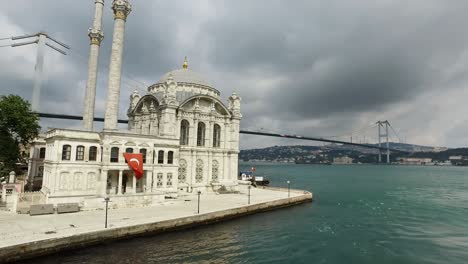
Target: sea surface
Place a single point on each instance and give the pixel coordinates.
(360, 214)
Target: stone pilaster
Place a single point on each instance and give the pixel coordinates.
(121, 10)
(104, 175)
(95, 35)
(234, 107)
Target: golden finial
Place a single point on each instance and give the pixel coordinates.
(185, 66)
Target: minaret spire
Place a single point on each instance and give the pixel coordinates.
(121, 9)
(185, 65)
(95, 36)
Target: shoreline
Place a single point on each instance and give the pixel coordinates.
(274, 199)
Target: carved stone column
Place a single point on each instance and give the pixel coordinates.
(95, 35)
(119, 187)
(121, 10)
(104, 175)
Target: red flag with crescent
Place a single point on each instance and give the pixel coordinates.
(135, 162)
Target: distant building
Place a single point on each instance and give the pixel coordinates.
(36, 163)
(415, 161)
(459, 160)
(439, 149)
(342, 160)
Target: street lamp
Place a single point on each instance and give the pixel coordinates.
(107, 203)
(289, 188)
(249, 193)
(198, 211)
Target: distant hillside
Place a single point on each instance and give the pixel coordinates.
(313, 154)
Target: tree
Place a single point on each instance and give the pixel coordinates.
(18, 126)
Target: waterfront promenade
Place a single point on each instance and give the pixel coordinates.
(32, 235)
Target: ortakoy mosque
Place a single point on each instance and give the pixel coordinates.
(188, 137)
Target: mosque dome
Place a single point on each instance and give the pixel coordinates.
(189, 83)
(185, 76)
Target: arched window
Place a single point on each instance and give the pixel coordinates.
(201, 134)
(92, 153)
(66, 152)
(40, 171)
(42, 153)
(80, 153)
(143, 152)
(114, 154)
(216, 136)
(161, 157)
(128, 150)
(170, 157)
(184, 132)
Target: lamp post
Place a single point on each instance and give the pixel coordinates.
(198, 211)
(107, 203)
(289, 189)
(249, 193)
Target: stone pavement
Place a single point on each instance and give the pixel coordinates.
(17, 229)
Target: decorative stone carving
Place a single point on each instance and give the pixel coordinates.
(199, 171)
(196, 106)
(134, 98)
(96, 36)
(159, 183)
(213, 107)
(170, 91)
(122, 9)
(64, 180)
(182, 171)
(151, 107)
(91, 180)
(144, 109)
(214, 172)
(77, 177)
(169, 180)
(234, 105)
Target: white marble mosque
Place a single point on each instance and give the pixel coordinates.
(188, 137)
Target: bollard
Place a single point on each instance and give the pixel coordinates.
(198, 211)
(249, 194)
(289, 189)
(107, 203)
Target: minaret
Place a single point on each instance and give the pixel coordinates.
(95, 35)
(121, 10)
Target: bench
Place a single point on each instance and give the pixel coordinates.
(67, 208)
(40, 209)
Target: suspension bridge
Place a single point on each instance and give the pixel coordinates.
(382, 125)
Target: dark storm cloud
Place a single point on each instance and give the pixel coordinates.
(311, 67)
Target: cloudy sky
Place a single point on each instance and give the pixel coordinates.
(315, 68)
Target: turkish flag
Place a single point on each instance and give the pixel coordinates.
(253, 169)
(135, 162)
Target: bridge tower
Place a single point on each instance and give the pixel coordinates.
(383, 125)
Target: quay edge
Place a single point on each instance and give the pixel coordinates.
(53, 245)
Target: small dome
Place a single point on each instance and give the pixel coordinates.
(184, 76)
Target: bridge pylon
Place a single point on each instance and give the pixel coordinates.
(383, 125)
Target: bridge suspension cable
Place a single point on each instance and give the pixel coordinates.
(121, 121)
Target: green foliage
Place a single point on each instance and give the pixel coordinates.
(18, 126)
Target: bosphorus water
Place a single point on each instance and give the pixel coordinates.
(360, 214)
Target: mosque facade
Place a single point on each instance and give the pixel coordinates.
(188, 138)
